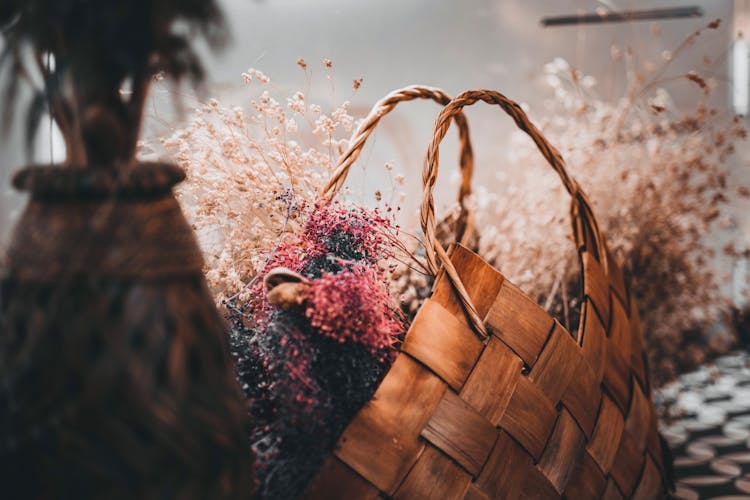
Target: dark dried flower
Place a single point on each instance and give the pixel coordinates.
(87, 51)
(306, 370)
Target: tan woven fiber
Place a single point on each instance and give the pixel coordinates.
(367, 127)
(514, 406)
(382, 108)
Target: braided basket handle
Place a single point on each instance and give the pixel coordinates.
(437, 257)
(382, 108)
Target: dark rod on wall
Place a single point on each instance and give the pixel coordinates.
(618, 17)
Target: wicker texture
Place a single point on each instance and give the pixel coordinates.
(367, 127)
(491, 397)
(115, 368)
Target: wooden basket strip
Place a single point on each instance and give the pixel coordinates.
(368, 126)
(511, 429)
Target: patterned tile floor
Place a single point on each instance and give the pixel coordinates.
(707, 424)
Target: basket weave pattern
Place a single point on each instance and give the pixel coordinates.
(490, 396)
(531, 413)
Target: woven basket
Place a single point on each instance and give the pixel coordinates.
(493, 398)
(284, 473)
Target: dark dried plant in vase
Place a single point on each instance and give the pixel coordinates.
(96, 61)
(115, 369)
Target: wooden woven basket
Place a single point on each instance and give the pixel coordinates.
(491, 397)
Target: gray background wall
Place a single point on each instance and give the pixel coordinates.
(391, 43)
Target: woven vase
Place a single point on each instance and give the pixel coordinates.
(116, 379)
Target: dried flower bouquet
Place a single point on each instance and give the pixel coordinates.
(305, 280)
(659, 176)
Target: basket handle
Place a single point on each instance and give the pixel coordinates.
(583, 216)
(366, 128)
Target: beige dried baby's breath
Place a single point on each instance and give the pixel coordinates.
(250, 170)
(657, 177)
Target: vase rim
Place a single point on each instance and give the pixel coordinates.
(140, 179)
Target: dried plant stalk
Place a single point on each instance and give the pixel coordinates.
(658, 177)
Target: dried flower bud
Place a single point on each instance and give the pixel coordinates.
(698, 80)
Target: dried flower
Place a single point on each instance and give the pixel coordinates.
(249, 171)
(658, 184)
(698, 80)
(307, 372)
(354, 305)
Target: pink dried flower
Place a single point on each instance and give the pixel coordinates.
(249, 169)
(354, 306)
(351, 234)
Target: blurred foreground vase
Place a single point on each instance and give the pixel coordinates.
(115, 380)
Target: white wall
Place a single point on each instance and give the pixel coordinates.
(455, 45)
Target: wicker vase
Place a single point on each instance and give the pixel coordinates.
(490, 396)
(116, 380)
